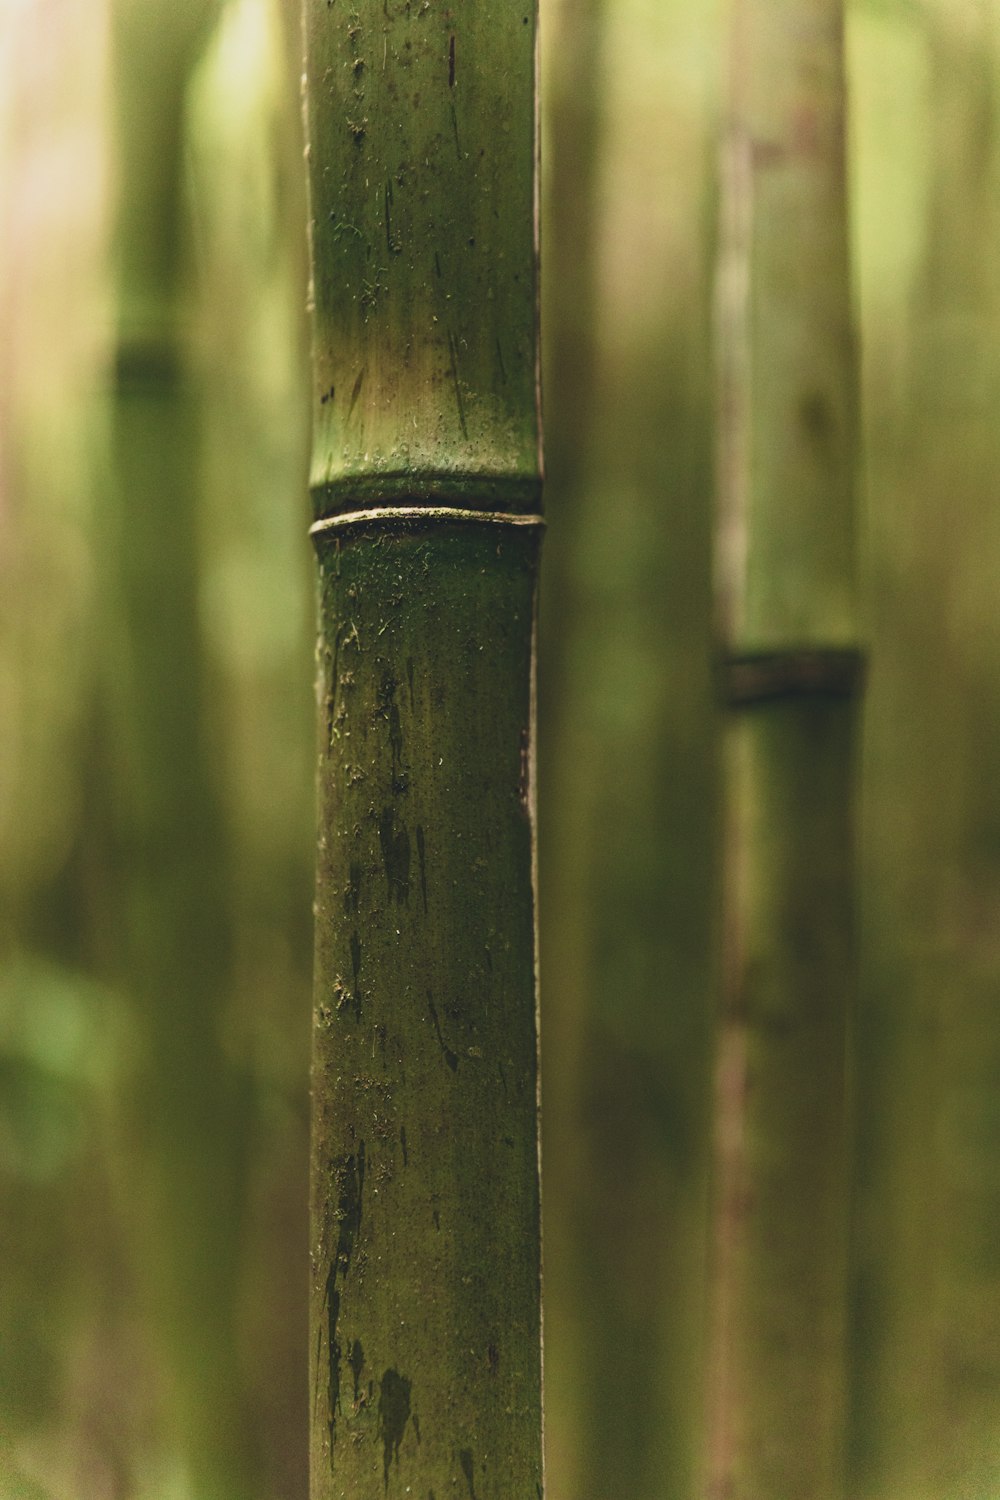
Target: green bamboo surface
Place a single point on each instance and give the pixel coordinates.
(83, 1375)
(425, 1301)
(779, 1293)
(162, 918)
(249, 337)
(421, 134)
(571, 42)
(927, 1367)
(627, 777)
(787, 621)
(425, 1237)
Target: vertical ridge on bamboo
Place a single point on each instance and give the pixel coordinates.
(426, 476)
(790, 675)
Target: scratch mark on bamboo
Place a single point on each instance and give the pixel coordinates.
(454, 375)
(395, 844)
(355, 393)
(450, 1057)
(333, 1356)
(357, 1365)
(356, 966)
(319, 1352)
(332, 732)
(349, 1172)
(422, 857)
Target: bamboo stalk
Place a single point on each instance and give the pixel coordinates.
(927, 1383)
(166, 918)
(790, 680)
(628, 879)
(426, 480)
(572, 46)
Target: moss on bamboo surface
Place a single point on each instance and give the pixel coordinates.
(425, 1268)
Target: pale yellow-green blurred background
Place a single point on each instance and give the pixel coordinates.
(156, 747)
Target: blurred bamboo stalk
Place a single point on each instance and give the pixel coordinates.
(249, 337)
(627, 703)
(571, 42)
(164, 926)
(927, 1366)
(425, 1316)
(790, 676)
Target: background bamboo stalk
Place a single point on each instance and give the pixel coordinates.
(789, 678)
(249, 342)
(627, 718)
(571, 44)
(83, 1374)
(425, 1312)
(927, 1356)
(162, 922)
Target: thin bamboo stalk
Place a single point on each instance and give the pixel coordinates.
(790, 677)
(247, 191)
(425, 1287)
(628, 878)
(166, 919)
(572, 45)
(926, 1394)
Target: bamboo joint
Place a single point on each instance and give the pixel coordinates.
(750, 678)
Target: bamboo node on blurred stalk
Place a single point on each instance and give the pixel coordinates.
(760, 677)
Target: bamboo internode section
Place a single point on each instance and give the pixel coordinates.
(426, 483)
(422, 142)
(786, 538)
(790, 677)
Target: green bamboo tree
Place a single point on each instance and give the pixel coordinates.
(162, 919)
(927, 1382)
(249, 332)
(425, 482)
(790, 676)
(627, 720)
(571, 45)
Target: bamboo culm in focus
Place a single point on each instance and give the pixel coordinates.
(425, 1282)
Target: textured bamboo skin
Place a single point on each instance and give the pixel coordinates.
(425, 1235)
(425, 1296)
(421, 127)
(787, 621)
